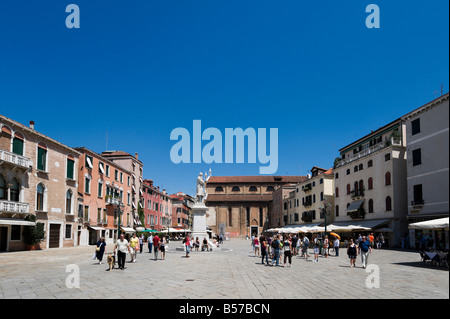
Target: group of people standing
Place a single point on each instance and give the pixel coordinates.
(288, 245)
(136, 244)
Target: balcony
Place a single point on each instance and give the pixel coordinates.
(357, 193)
(15, 160)
(14, 207)
(353, 157)
(112, 201)
(418, 203)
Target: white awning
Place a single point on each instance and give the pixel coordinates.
(97, 228)
(368, 224)
(440, 223)
(128, 230)
(355, 206)
(88, 160)
(101, 168)
(14, 221)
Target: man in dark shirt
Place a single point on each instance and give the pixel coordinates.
(364, 249)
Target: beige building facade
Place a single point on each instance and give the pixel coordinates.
(370, 183)
(38, 175)
(427, 135)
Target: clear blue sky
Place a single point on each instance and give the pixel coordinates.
(139, 69)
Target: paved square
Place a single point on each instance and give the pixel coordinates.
(224, 275)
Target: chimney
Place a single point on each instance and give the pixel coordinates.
(136, 155)
(32, 125)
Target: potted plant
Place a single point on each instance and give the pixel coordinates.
(33, 235)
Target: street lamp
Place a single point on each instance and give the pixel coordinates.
(119, 206)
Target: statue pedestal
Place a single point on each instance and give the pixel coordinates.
(199, 224)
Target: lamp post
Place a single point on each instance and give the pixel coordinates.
(325, 214)
(119, 206)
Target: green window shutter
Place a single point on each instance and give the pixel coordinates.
(70, 166)
(42, 154)
(17, 146)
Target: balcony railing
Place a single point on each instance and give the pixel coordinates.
(417, 202)
(15, 159)
(368, 151)
(14, 207)
(112, 201)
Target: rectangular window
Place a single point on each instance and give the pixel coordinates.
(70, 168)
(121, 177)
(417, 157)
(87, 185)
(418, 195)
(99, 215)
(68, 231)
(415, 126)
(128, 183)
(86, 213)
(17, 146)
(15, 232)
(107, 170)
(116, 175)
(100, 189)
(128, 198)
(387, 157)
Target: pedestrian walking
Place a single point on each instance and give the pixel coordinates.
(156, 241)
(162, 247)
(141, 243)
(287, 248)
(150, 243)
(197, 244)
(100, 250)
(364, 249)
(336, 246)
(371, 240)
(264, 252)
(352, 253)
(305, 247)
(134, 242)
(122, 246)
(187, 244)
(316, 247)
(256, 244)
(326, 246)
(276, 251)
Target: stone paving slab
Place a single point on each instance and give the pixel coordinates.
(235, 274)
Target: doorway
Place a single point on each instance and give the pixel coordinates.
(3, 238)
(54, 236)
(254, 231)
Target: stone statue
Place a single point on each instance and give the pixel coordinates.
(201, 195)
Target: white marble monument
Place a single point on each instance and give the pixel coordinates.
(199, 210)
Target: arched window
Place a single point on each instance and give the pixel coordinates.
(321, 196)
(219, 189)
(235, 189)
(40, 190)
(361, 186)
(14, 190)
(370, 182)
(3, 191)
(69, 202)
(388, 204)
(348, 189)
(270, 189)
(356, 188)
(387, 178)
(337, 210)
(361, 166)
(253, 189)
(337, 192)
(370, 205)
(321, 181)
(314, 198)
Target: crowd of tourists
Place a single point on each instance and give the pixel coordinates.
(280, 249)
